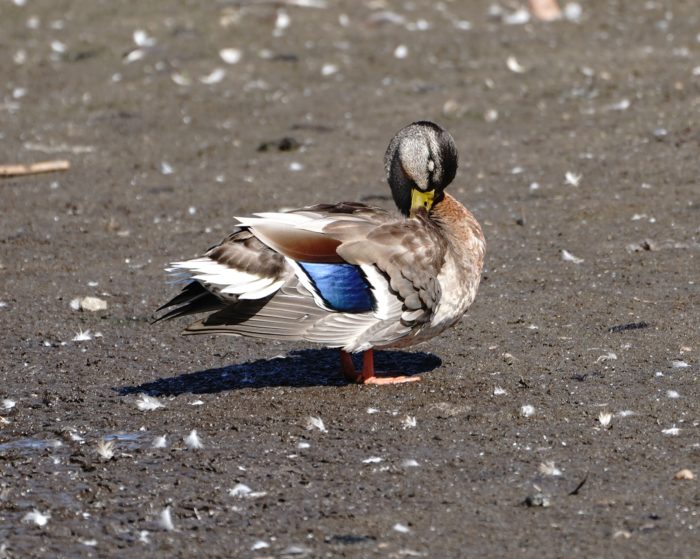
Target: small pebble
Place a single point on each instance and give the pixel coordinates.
(401, 52)
(527, 410)
(684, 474)
(537, 500)
(230, 56)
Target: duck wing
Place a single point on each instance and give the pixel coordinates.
(409, 254)
(239, 268)
(346, 275)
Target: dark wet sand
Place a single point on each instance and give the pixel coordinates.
(612, 99)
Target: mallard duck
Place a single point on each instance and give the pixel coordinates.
(348, 275)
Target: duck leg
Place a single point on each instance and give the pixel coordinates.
(368, 375)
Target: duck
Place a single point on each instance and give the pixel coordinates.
(347, 275)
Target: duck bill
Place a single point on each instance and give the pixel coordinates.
(421, 200)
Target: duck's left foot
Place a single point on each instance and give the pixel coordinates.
(368, 375)
(389, 380)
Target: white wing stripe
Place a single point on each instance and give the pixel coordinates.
(388, 305)
(234, 282)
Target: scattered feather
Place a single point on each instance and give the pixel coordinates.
(549, 469)
(625, 413)
(621, 105)
(142, 39)
(193, 441)
(316, 423)
(259, 544)
(181, 79)
(515, 66)
(58, 47)
(134, 56)
(20, 57)
(673, 394)
(610, 356)
(372, 460)
(671, 431)
(307, 3)
(282, 22)
(329, 69)
(295, 550)
(566, 256)
(8, 404)
(372, 410)
(105, 449)
(36, 517)
(165, 520)
(572, 179)
(148, 403)
(303, 445)
(75, 437)
(160, 442)
(88, 543)
(605, 418)
(402, 528)
(408, 422)
(197, 403)
(573, 12)
(240, 490)
(215, 76)
(296, 166)
(231, 56)
(82, 336)
(410, 463)
(144, 536)
(527, 410)
(18, 92)
(166, 168)
(491, 115)
(498, 391)
(518, 17)
(243, 491)
(678, 364)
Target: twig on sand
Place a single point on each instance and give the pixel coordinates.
(34, 168)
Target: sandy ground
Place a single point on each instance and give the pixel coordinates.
(585, 141)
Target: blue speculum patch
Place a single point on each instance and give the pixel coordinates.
(341, 286)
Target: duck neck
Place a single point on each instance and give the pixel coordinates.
(459, 226)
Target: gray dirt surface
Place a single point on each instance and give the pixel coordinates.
(447, 467)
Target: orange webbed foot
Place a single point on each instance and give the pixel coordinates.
(368, 375)
(390, 380)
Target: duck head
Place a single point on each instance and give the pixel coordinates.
(420, 162)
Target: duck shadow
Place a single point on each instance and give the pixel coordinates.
(301, 368)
